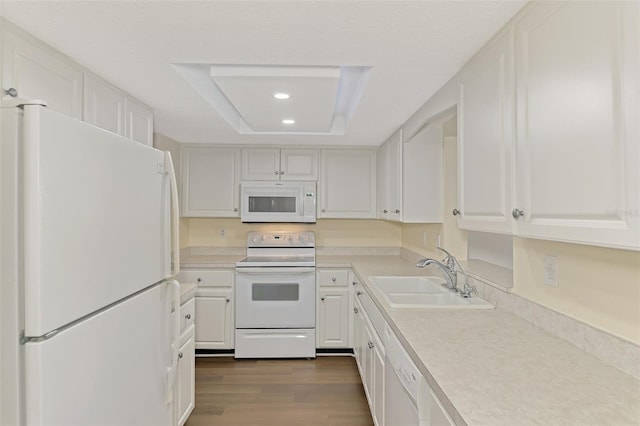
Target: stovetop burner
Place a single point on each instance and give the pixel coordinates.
(288, 249)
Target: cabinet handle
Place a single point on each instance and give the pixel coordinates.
(188, 316)
(323, 210)
(281, 172)
(516, 213)
(235, 209)
(11, 92)
(354, 283)
(397, 211)
(322, 298)
(355, 310)
(199, 280)
(370, 344)
(180, 355)
(333, 279)
(385, 211)
(228, 300)
(358, 293)
(277, 173)
(455, 212)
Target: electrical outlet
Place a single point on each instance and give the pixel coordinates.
(222, 232)
(551, 271)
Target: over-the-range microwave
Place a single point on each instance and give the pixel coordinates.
(278, 201)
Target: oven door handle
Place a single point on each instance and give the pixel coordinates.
(275, 270)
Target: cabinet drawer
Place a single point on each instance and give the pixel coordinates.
(187, 314)
(333, 278)
(207, 278)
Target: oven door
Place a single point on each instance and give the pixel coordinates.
(273, 297)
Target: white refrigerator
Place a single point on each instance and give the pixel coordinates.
(88, 299)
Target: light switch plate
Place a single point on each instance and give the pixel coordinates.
(551, 271)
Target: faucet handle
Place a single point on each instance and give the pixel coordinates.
(449, 259)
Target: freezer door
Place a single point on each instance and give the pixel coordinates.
(97, 219)
(110, 369)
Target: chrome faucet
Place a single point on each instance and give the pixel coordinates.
(450, 267)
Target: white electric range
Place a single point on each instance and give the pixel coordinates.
(275, 294)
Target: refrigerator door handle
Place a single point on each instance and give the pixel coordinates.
(175, 215)
(173, 293)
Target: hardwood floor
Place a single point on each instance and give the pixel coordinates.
(323, 391)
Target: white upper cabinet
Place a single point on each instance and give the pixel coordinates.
(485, 139)
(279, 164)
(38, 72)
(103, 105)
(577, 134)
(394, 177)
(139, 122)
(347, 185)
(210, 182)
(410, 187)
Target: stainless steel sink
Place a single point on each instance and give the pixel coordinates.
(422, 292)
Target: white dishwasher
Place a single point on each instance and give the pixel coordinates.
(402, 379)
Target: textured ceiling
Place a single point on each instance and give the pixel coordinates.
(413, 47)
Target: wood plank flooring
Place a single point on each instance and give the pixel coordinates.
(322, 391)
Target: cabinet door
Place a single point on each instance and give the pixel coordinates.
(578, 171)
(347, 184)
(333, 316)
(261, 164)
(299, 164)
(377, 374)
(485, 139)
(394, 177)
(214, 326)
(139, 122)
(38, 72)
(359, 337)
(210, 182)
(382, 183)
(103, 105)
(185, 390)
(422, 176)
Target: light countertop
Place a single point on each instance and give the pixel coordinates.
(490, 367)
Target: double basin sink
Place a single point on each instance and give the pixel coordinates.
(423, 292)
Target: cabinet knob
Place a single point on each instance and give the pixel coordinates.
(199, 280)
(397, 211)
(281, 172)
(354, 283)
(370, 344)
(333, 279)
(188, 316)
(323, 210)
(228, 300)
(358, 293)
(277, 172)
(235, 209)
(355, 310)
(180, 355)
(11, 92)
(455, 212)
(322, 298)
(385, 211)
(516, 213)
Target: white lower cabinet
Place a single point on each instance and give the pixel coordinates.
(185, 396)
(186, 385)
(332, 310)
(333, 318)
(369, 354)
(213, 307)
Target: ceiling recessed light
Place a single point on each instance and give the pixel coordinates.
(288, 121)
(281, 95)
